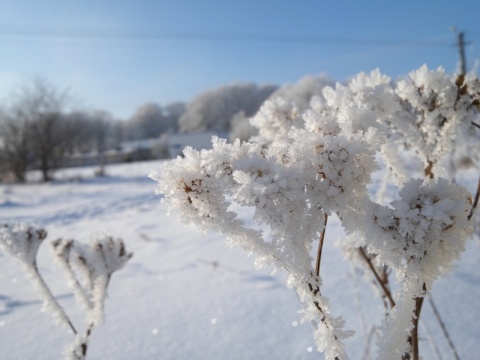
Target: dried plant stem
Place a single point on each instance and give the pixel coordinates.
(428, 170)
(87, 337)
(386, 291)
(366, 353)
(415, 320)
(475, 202)
(443, 327)
(48, 297)
(320, 246)
(316, 290)
(77, 287)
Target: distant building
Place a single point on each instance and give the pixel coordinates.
(196, 140)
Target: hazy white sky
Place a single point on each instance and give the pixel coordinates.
(117, 55)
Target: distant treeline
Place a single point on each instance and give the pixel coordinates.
(39, 129)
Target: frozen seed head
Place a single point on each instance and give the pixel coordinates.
(22, 241)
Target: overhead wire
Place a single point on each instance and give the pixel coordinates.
(119, 34)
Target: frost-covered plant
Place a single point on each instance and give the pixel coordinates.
(22, 241)
(419, 237)
(295, 177)
(88, 267)
(435, 107)
(292, 188)
(274, 120)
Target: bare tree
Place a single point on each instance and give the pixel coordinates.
(95, 134)
(99, 131)
(15, 153)
(36, 118)
(51, 132)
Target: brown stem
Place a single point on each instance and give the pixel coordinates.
(316, 290)
(320, 246)
(475, 202)
(87, 337)
(415, 320)
(386, 291)
(475, 124)
(428, 170)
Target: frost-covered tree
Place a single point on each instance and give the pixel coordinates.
(149, 121)
(321, 166)
(173, 111)
(213, 110)
(302, 92)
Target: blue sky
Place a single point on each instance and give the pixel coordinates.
(117, 55)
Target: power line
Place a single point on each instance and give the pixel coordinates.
(118, 34)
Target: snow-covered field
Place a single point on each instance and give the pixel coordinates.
(184, 295)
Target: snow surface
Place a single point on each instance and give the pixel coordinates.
(184, 295)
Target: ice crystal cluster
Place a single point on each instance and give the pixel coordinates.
(88, 268)
(304, 167)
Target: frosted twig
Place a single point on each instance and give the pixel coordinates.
(48, 297)
(475, 202)
(386, 291)
(61, 250)
(320, 245)
(415, 320)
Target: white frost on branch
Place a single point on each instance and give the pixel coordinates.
(303, 167)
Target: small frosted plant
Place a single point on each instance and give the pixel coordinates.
(88, 269)
(306, 168)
